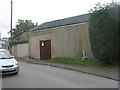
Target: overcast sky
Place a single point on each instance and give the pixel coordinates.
(42, 10)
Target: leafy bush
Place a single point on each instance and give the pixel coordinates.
(104, 30)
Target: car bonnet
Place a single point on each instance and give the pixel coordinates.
(5, 62)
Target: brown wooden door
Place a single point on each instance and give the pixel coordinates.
(45, 49)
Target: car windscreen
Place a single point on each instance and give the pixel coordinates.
(5, 55)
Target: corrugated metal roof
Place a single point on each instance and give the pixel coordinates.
(63, 22)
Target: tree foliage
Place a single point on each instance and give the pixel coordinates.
(22, 26)
(104, 30)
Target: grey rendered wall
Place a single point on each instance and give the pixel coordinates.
(70, 41)
(66, 41)
(20, 50)
(14, 50)
(34, 42)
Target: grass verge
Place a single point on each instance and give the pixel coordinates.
(75, 61)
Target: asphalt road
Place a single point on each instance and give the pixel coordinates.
(40, 76)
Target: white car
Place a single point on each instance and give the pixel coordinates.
(8, 64)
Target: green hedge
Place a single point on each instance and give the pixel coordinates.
(104, 30)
